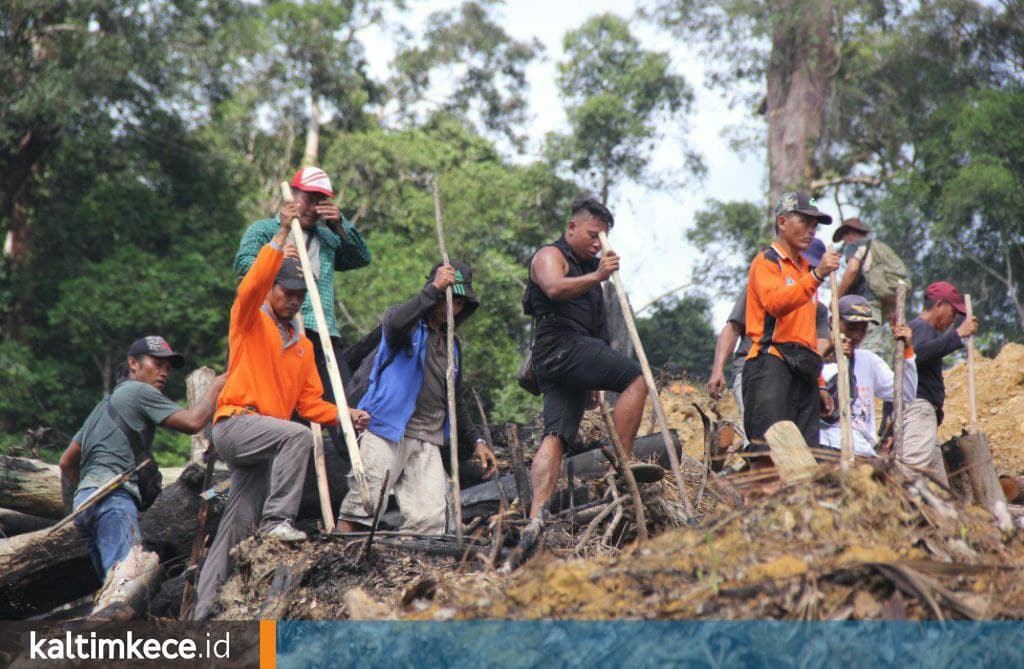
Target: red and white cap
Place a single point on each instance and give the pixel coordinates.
(314, 180)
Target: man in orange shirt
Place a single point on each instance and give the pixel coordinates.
(271, 374)
(782, 374)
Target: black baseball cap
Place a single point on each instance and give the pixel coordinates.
(156, 346)
(801, 203)
(290, 275)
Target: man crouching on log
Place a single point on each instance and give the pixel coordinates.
(115, 437)
(271, 373)
(406, 397)
(571, 354)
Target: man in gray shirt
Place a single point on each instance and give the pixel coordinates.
(116, 436)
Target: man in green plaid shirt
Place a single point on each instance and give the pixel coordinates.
(332, 243)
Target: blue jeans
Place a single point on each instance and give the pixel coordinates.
(111, 527)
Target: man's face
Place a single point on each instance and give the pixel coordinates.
(851, 236)
(285, 302)
(797, 230)
(307, 207)
(855, 332)
(582, 235)
(945, 315)
(151, 370)
(440, 314)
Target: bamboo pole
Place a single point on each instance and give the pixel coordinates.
(842, 364)
(971, 397)
(652, 388)
(452, 417)
(334, 376)
(898, 365)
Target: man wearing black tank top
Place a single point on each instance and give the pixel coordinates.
(571, 354)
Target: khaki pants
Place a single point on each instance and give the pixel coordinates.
(879, 339)
(267, 458)
(417, 479)
(920, 442)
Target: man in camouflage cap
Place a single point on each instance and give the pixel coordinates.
(782, 373)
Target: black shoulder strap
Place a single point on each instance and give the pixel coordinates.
(769, 320)
(134, 438)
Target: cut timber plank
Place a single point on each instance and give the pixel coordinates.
(789, 451)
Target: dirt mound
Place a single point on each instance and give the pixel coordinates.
(865, 548)
(999, 386)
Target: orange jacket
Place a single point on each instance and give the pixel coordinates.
(266, 373)
(781, 302)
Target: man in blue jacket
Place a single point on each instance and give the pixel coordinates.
(407, 400)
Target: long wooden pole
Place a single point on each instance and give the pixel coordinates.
(452, 415)
(843, 370)
(971, 397)
(98, 494)
(627, 473)
(334, 375)
(898, 365)
(652, 387)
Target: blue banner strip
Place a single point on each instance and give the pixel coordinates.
(480, 644)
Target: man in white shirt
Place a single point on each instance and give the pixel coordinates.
(872, 377)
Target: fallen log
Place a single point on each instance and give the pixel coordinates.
(43, 569)
(13, 523)
(33, 486)
(589, 465)
(128, 588)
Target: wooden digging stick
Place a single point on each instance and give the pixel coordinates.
(98, 494)
(452, 417)
(652, 387)
(627, 473)
(984, 477)
(898, 365)
(971, 398)
(842, 365)
(336, 385)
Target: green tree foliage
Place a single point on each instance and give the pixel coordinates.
(959, 212)
(678, 336)
(484, 66)
(616, 93)
(729, 235)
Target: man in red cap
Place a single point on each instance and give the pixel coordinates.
(332, 243)
(934, 339)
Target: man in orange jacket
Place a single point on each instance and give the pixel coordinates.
(271, 374)
(782, 374)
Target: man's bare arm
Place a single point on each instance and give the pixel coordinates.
(724, 348)
(71, 464)
(549, 269)
(849, 276)
(194, 419)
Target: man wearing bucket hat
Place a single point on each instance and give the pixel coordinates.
(872, 271)
(406, 397)
(782, 373)
(934, 339)
(116, 436)
(332, 243)
(872, 377)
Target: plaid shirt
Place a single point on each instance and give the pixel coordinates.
(335, 254)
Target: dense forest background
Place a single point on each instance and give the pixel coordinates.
(138, 140)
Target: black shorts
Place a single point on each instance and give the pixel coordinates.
(575, 367)
(773, 392)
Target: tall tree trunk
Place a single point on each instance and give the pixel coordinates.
(310, 155)
(802, 64)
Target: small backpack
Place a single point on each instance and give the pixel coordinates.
(883, 269)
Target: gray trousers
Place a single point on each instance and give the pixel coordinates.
(920, 442)
(416, 476)
(261, 453)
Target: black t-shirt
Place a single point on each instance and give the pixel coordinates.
(930, 347)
